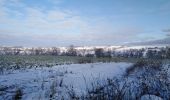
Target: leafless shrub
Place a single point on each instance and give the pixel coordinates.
(146, 81)
(144, 64)
(72, 93)
(53, 90)
(1, 70)
(18, 94)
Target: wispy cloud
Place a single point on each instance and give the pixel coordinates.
(166, 30)
(21, 22)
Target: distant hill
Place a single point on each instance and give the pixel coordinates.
(165, 41)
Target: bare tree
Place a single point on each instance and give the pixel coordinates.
(99, 52)
(16, 51)
(55, 51)
(71, 51)
(7, 51)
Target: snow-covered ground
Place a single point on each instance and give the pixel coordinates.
(37, 83)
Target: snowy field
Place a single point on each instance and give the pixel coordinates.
(39, 83)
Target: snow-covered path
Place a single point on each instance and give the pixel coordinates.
(36, 82)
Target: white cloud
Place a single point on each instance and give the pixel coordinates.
(59, 25)
(56, 15)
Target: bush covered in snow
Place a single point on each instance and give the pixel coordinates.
(145, 63)
(149, 78)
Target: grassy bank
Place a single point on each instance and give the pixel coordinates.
(60, 59)
(29, 61)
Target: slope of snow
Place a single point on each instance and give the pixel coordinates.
(137, 47)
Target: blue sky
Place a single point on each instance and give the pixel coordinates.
(82, 22)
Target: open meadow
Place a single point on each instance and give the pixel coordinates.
(67, 77)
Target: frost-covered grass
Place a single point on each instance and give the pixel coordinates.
(8, 63)
(84, 78)
(56, 82)
(48, 59)
(143, 63)
(147, 81)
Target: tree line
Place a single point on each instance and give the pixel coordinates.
(161, 53)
